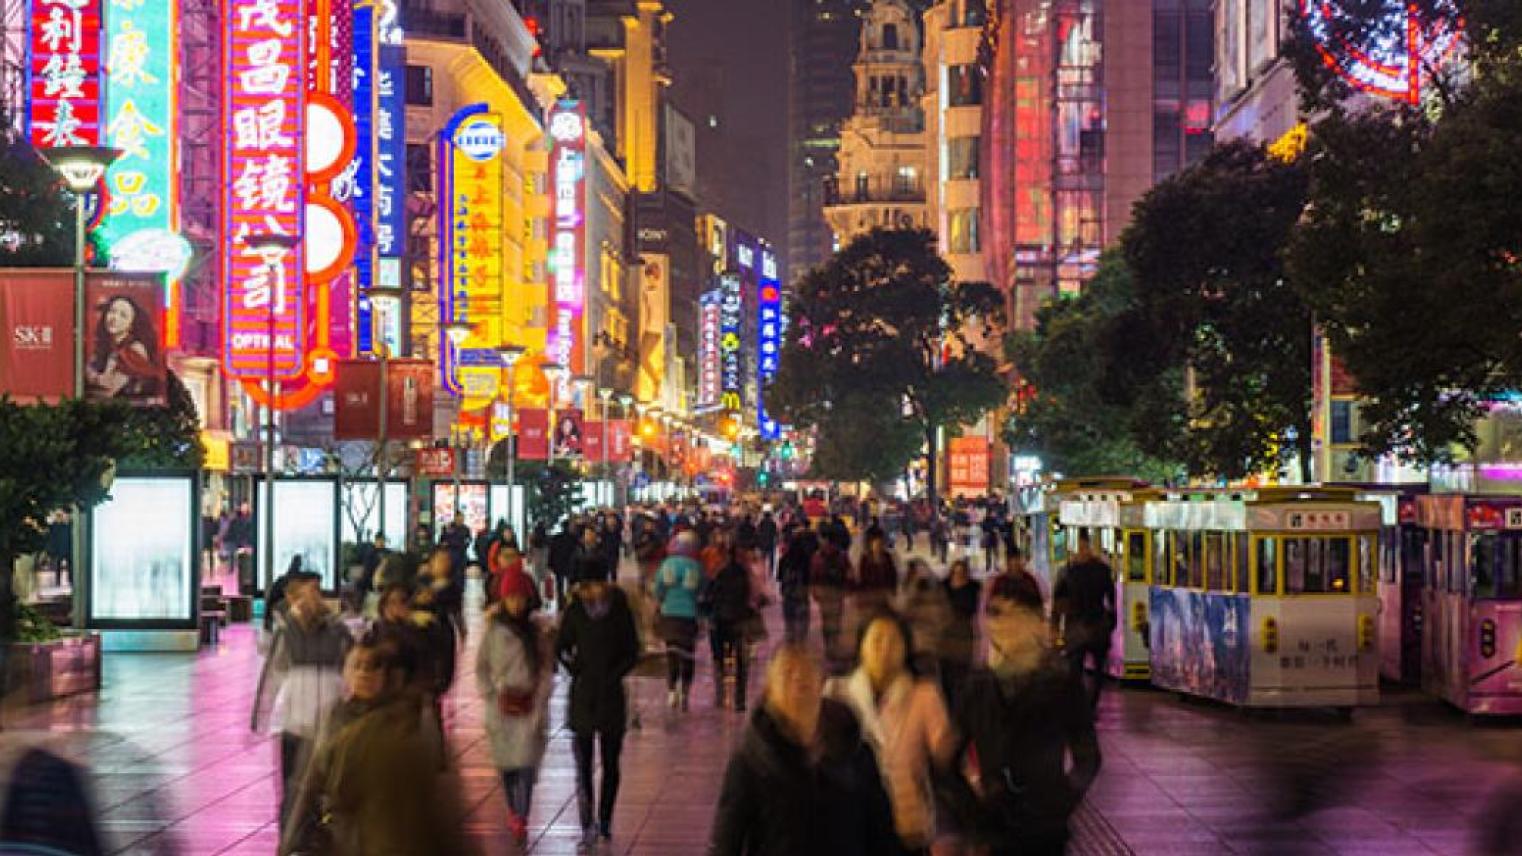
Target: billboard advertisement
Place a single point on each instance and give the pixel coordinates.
(708, 349)
(731, 362)
(124, 355)
(1199, 642)
(968, 466)
(768, 340)
(567, 259)
(473, 499)
(64, 101)
(37, 320)
(472, 165)
(143, 553)
(654, 314)
(533, 434)
(306, 525)
(570, 434)
(409, 400)
(681, 152)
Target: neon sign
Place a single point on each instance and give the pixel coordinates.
(471, 219)
(264, 170)
(362, 172)
(1387, 59)
(567, 247)
(768, 340)
(390, 152)
(708, 349)
(731, 372)
(64, 107)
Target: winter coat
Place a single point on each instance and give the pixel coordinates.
(413, 649)
(909, 730)
(676, 587)
(598, 653)
(562, 554)
(778, 801)
(830, 567)
(730, 594)
(375, 772)
(877, 574)
(503, 665)
(793, 567)
(1020, 730)
(302, 676)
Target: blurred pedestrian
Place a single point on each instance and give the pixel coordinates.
(1017, 573)
(515, 671)
(940, 538)
(373, 786)
(766, 541)
(793, 581)
(676, 588)
(873, 585)
(923, 603)
(301, 678)
(904, 720)
(561, 556)
(802, 782)
(597, 644)
(1019, 721)
(274, 599)
(829, 571)
(401, 628)
(1084, 613)
(960, 642)
(732, 614)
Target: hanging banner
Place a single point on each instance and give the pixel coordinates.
(533, 434)
(37, 320)
(592, 441)
(768, 340)
(570, 434)
(967, 464)
(654, 316)
(264, 312)
(390, 153)
(618, 441)
(409, 400)
(567, 256)
(124, 350)
(65, 69)
(471, 238)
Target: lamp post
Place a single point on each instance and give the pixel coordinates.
(510, 355)
(455, 332)
(383, 354)
(271, 247)
(81, 168)
(554, 373)
(605, 395)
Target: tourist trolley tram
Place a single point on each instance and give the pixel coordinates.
(1112, 515)
(1402, 545)
(1265, 598)
(1472, 601)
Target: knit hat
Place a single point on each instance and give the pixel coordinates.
(684, 544)
(516, 582)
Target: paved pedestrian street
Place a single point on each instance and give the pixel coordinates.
(176, 770)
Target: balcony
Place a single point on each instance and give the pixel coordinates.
(873, 193)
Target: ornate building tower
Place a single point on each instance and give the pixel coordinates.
(881, 179)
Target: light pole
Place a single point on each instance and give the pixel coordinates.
(271, 248)
(510, 355)
(81, 168)
(383, 353)
(455, 332)
(554, 373)
(605, 395)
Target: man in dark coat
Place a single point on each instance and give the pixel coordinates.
(1083, 609)
(802, 782)
(598, 645)
(562, 556)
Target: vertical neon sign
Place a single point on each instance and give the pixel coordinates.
(731, 373)
(64, 107)
(264, 170)
(708, 349)
(362, 188)
(471, 214)
(768, 339)
(568, 157)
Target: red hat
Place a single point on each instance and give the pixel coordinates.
(516, 582)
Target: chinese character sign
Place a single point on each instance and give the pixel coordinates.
(471, 228)
(568, 232)
(362, 188)
(731, 368)
(708, 349)
(64, 103)
(768, 339)
(264, 299)
(140, 116)
(390, 150)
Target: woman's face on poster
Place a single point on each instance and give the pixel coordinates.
(118, 318)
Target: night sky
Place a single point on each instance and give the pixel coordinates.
(729, 60)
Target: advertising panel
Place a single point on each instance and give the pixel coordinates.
(471, 224)
(570, 434)
(124, 355)
(568, 179)
(390, 154)
(143, 552)
(64, 102)
(768, 340)
(306, 525)
(473, 499)
(709, 310)
(409, 400)
(361, 512)
(654, 314)
(681, 152)
(533, 434)
(433, 461)
(619, 449)
(37, 320)
(1199, 643)
(591, 441)
(264, 313)
(731, 365)
(968, 465)
(511, 507)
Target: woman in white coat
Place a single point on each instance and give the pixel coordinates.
(515, 672)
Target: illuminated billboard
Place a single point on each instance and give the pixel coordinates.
(568, 168)
(708, 349)
(64, 102)
(306, 525)
(264, 312)
(471, 222)
(143, 553)
(731, 365)
(768, 339)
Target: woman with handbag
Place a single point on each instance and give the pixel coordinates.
(515, 673)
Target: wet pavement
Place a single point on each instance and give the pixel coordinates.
(176, 769)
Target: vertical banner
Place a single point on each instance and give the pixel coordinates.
(124, 352)
(654, 316)
(65, 69)
(968, 460)
(390, 155)
(591, 443)
(768, 340)
(570, 434)
(409, 400)
(533, 434)
(264, 313)
(471, 222)
(731, 369)
(618, 441)
(37, 323)
(708, 349)
(568, 238)
(340, 330)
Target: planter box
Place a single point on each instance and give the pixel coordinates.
(42, 671)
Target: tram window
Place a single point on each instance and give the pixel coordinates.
(1294, 565)
(1162, 559)
(1215, 561)
(1317, 565)
(1454, 566)
(1268, 569)
(1195, 560)
(1338, 554)
(1239, 554)
(1366, 559)
(1136, 556)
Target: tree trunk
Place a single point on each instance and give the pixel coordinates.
(931, 457)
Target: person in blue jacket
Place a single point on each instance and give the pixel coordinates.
(676, 588)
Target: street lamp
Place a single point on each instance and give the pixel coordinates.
(382, 349)
(271, 247)
(81, 168)
(606, 395)
(510, 355)
(554, 373)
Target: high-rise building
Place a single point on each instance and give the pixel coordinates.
(823, 36)
(953, 110)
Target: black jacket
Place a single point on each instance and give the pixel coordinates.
(776, 801)
(598, 653)
(729, 594)
(1085, 593)
(1021, 730)
(563, 546)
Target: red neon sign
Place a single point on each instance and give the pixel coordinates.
(64, 108)
(264, 168)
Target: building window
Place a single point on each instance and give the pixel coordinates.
(964, 85)
(890, 37)
(962, 157)
(1167, 141)
(962, 231)
(974, 13)
(1342, 422)
(863, 185)
(420, 85)
(420, 167)
(906, 180)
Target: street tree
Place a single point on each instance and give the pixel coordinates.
(1212, 301)
(166, 436)
(36, 212)
(882, 350)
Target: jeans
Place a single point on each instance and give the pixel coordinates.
(795, 618)
(612, 745)
(681, 659)
(293, 752)
(1099, 650)
(732, 639)
(518, 786)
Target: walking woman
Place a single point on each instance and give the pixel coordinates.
(960, 642)
(515, 672)
(676, 588)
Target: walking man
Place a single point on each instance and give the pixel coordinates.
(1084, 612)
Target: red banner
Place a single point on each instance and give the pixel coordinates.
(592, 441)
(37, 317)
(409, 401)
(967, 463)
(435, 462)
(618, 441)
(124, 352)
(533, 434)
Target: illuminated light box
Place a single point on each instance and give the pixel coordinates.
(361, 502)
(306, 524)
(143, 555)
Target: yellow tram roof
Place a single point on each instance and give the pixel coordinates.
(1273, 514)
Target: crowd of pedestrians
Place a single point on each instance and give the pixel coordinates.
(890, 731)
